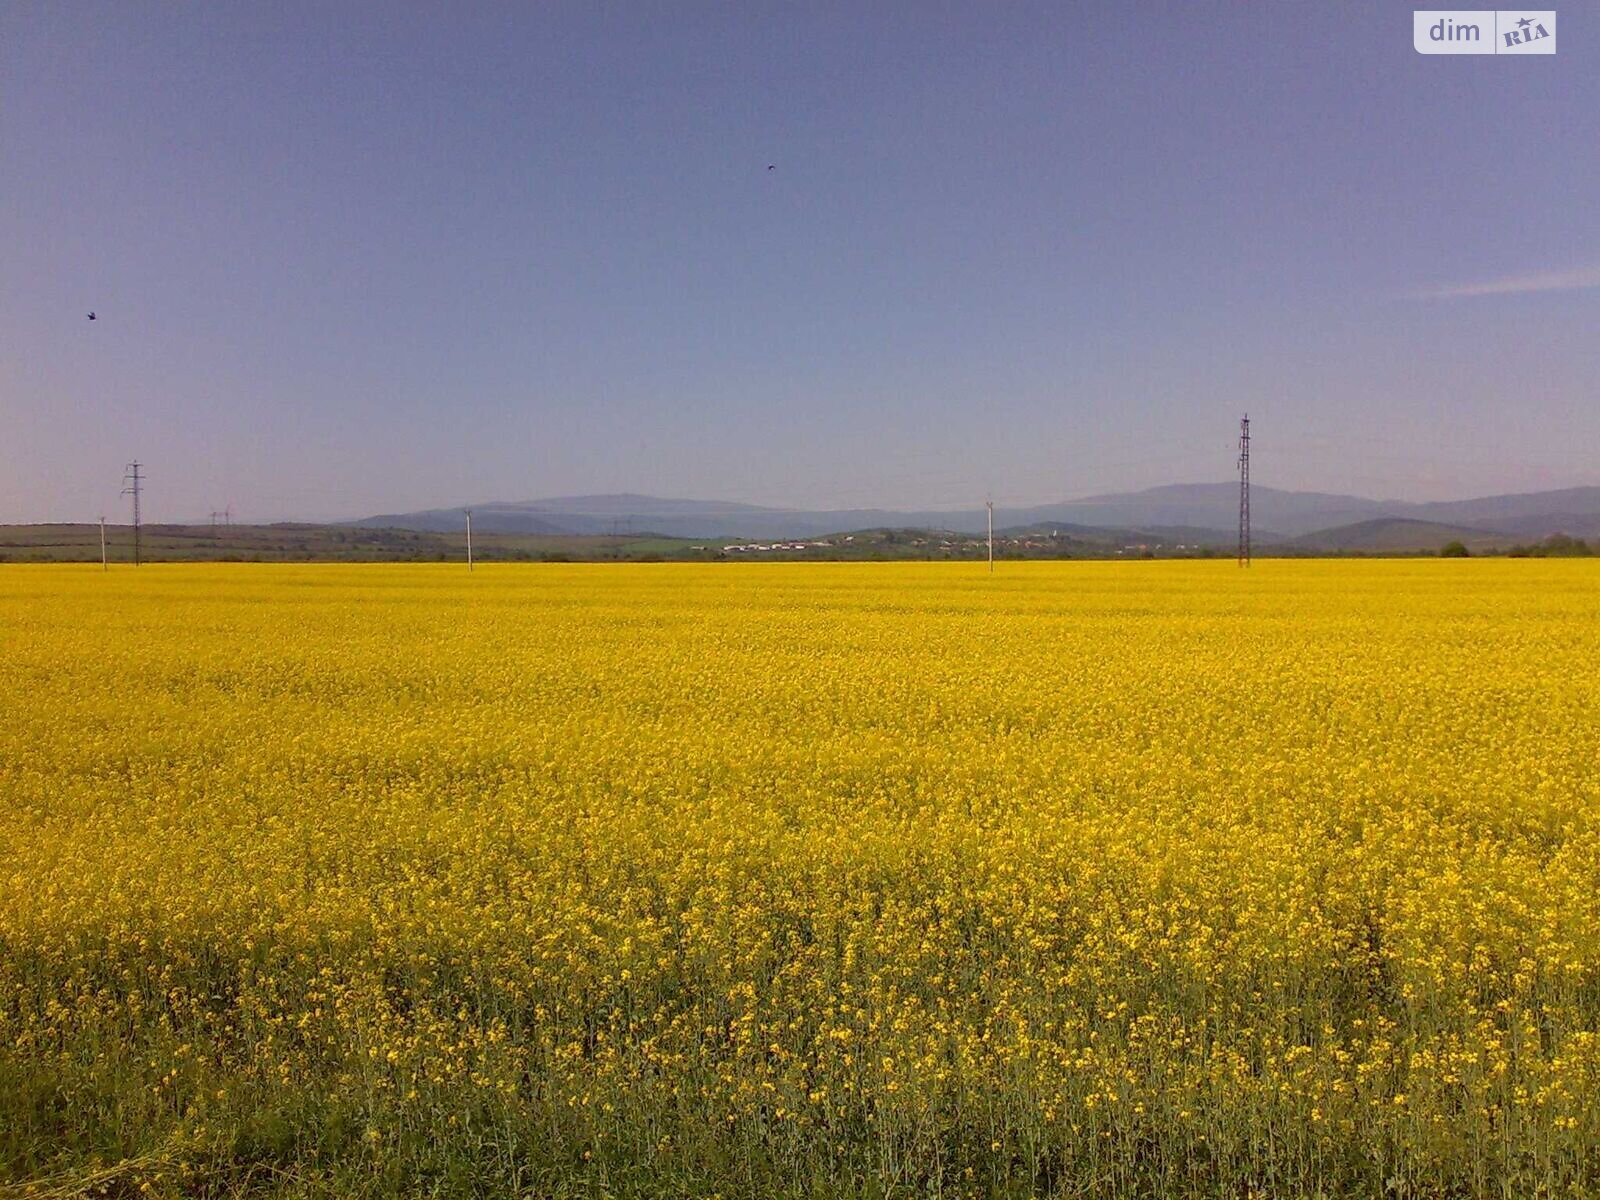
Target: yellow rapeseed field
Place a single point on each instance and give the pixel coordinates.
(838, 880)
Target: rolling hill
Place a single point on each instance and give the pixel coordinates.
(1204, 513)
(1398, 535)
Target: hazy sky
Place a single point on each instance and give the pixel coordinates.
(351, 259)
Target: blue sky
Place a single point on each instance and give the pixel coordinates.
(349, 259)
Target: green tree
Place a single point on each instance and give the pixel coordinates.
(1565, 546)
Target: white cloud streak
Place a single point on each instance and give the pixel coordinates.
(1538, 281)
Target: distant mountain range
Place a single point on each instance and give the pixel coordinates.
(1199, 513)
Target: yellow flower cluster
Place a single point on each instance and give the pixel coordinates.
(877, 879)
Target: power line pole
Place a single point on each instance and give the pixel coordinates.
(1244, 491)
(104, 566)
(469, 539)
(989, 505)
(134, 484)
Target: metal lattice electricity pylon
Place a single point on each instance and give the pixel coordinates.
(1244, 491)
(133, 484)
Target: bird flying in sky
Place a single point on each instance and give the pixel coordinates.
(91, 316)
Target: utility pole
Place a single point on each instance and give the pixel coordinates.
(989, 505)
(134, 483)
(469, 539)
(104, 566)
(1244, 491)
